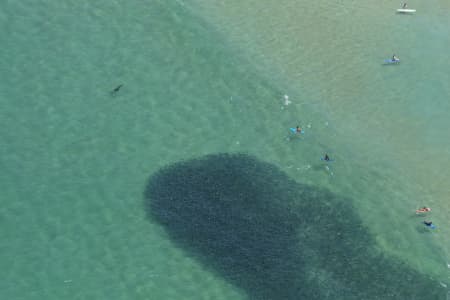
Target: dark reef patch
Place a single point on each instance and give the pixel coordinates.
(275, 238)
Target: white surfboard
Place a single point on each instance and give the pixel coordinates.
(406, 10)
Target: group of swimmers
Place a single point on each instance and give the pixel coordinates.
(299, 130)
(425, 210)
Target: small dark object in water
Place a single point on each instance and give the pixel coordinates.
(113, 92)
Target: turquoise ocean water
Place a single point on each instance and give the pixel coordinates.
(202, 77)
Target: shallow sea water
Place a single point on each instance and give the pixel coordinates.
(201, 78)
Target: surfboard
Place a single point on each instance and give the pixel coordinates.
(432, 226)
(294, 130)
(391, 61)
(406, 10)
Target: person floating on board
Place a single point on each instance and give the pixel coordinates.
(114, 91)
(298, 129)
(394, 58)
(423, 210)
(326, 157)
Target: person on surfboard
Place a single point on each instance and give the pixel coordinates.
(394, 58)
(298, 129)
(423, 210)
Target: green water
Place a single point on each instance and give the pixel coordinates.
(200, 78)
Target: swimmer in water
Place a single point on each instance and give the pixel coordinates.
(298, 129)
(428, 223)
(326, 157)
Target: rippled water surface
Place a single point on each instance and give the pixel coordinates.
(205, 77)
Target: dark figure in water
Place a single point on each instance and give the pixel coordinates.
(326, 157)
(113, 92)
(428, 223)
